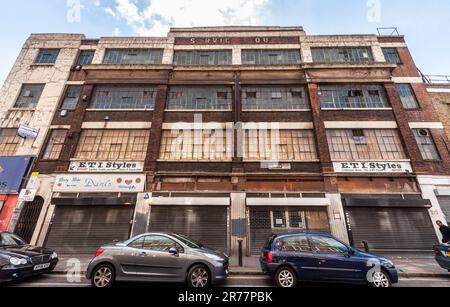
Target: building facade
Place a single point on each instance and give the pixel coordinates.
(231, 134)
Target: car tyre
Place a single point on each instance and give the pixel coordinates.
(286, 278)
(381, 279)
(103, 276)
(199, 277)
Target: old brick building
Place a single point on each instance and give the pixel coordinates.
(234, 133)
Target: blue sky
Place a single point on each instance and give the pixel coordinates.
(426, 24)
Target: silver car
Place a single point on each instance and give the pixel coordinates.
(158, 257)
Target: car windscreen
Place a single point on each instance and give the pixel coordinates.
(7, 239)
(188, 241)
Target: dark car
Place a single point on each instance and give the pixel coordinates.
(442, 253)
(319, 257)
(19, 260)
(158, 257)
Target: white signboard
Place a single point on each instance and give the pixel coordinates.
(372, 167)
(27, 195)
(126, 183)
(106, 167)
(27, 132)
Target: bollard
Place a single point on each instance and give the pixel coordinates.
(240, 254)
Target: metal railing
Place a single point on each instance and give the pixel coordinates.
(436, 79)
(388, 31)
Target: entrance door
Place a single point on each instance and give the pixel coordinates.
(29, 218)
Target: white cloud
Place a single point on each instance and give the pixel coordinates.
(155, 17)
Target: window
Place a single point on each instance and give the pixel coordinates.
(391, 55)
(327, 245)
(158, 244)
(133, 56)
(86, 57)
(342, 54)
(407, 96)
(123, 97)
(282, 145)
(270, 57)
(55, 145)
(47, 56)
(352, 96)
(196, 145)
(200, 98)
(368, 144)
(113, 145)
(294, 244)
(138, 243)
(29, 96)
(71, 98)
(9, 142)
(274, 98)
(220, 57)
(426, 144)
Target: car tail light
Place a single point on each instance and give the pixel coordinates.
(437, 252)
(269, 257)
(99, 252)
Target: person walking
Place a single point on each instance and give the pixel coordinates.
(445, 230)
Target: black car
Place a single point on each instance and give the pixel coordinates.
(20, 260)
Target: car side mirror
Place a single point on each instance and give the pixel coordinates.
(351, 252)
(173, 251)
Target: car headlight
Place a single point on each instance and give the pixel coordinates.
(18, 261)
(214, 257)
(389, 263)
(54, 256)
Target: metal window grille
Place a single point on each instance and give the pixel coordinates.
(55, 145)
(352, 96)
(342, 54)
(113, 145)
(29, 96)
(124, 97)
(133, 56)
(270, 57)
(200, 98)
(383, 144)
(274, 98)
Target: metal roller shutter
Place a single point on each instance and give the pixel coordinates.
(444, 202)
(206, 224)
(392, 228)
(83, 229)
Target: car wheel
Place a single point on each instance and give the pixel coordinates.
(381, 280)
(199, 277)
(286, 278)
(103, 276)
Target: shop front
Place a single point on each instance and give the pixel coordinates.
(88, 211)
(13, 171)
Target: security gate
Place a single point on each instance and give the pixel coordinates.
(28, 219)
(265, 221)
(444, 202)
(206, 224)
(83, 229)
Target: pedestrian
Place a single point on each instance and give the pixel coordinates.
(445, 230)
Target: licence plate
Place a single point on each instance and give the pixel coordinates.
(41, 266)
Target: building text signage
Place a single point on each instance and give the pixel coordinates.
(280, 40)
(106, 167)
(372, 167)
(126, 183)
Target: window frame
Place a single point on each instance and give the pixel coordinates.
(343, 54)
(11, 137)
(54, 56)
(101, 93)
(388, 55)
(189, 96)
(332, 97)
(287, 56)
(48, 143)
(41, 88)
(263, 99)
(155, 56)
(222, 57)
(80, 56)
(423, 146)
(398, 87)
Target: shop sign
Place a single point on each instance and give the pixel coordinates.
(105, 167)
(27, 195)
(126, 183)
(27, 132)
(372, 167)
(12, 171)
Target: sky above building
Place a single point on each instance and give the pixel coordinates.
(425, 24)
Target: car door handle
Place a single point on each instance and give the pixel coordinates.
(322, 261)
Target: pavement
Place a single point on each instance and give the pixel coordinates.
(417, 265)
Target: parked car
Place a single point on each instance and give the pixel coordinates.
(20, 260)
(158, 257)
(319, 257)
(443, 255)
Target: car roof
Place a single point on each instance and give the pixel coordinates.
(302, 232)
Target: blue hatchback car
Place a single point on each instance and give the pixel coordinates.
(319, 257)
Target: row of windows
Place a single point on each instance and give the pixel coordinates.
(217, 145)
(224, 57)
(220, 98)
